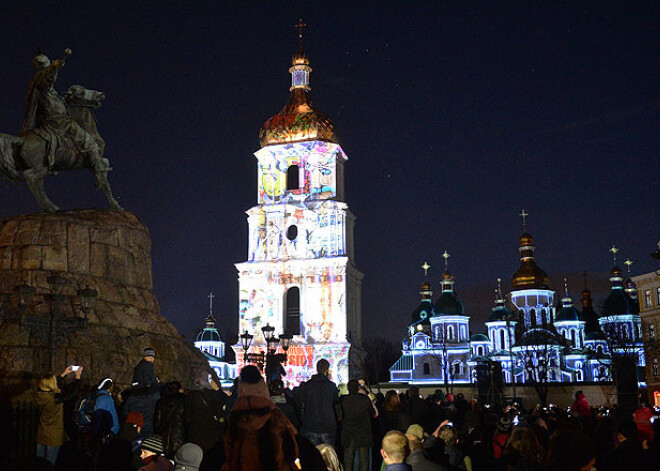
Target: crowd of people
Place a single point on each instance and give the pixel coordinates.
(321, 426)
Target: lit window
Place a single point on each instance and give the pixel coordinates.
(657, 295)
(647, 298)
(651, 331)
(655, 367)
(293, 311)
(450, 332)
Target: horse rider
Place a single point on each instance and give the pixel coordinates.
(46, 114)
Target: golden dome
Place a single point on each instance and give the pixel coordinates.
(426, 286)
(299, 120)
(526, 239)
(528, 275)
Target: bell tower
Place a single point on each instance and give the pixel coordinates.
(300, 276)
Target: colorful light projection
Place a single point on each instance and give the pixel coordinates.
(317, 164)
(301, 361)
(262, 299)
(283, 232)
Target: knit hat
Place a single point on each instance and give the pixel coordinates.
(504, 425)
(135, 418)
(416, 431)
(188, 457)
(149, 352)
(154, 444)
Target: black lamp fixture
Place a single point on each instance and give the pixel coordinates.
(87, 297)
(246, 340)
(285, 341)
(269, 335)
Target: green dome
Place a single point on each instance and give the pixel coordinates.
(568, 313)
(618, 302)
(423, 313)
(499, 313)
(479, 338)
(448, 304)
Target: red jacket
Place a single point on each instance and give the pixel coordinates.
(257, 432)
(581, 406)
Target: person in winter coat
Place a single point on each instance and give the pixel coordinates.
(317, 398)
(170, 420)
(581, 406)
(356, 433)
(105, 402)
(49, 398)
(152, 455)
(282, 402)
(204, 412)
(259, 436)
(145, 391)
(130, 434)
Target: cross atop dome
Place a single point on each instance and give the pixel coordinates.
(446, 257)
(614, 251)
(523, 214)
(300, 27)
(211, 296)
(628, 262)
(426, 267)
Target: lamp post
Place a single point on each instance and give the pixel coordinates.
(266, 361)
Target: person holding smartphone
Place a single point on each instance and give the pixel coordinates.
(52, 392)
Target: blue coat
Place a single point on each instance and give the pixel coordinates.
(105, 402)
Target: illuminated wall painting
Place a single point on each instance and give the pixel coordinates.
(298, 238)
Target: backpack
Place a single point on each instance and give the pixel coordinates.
(84, 410)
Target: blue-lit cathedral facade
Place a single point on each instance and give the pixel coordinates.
(535, 333)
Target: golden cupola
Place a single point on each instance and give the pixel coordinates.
(528, 275)
(299, 120)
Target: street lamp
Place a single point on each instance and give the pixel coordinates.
(285, 341)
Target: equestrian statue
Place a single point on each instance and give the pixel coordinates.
(58, 133)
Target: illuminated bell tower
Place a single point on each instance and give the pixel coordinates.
(300, 275)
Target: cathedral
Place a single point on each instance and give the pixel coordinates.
(299, 276)
(535, 334)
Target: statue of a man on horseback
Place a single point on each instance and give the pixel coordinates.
(58, 133)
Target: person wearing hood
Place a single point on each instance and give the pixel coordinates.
(259, 436)
(51, 394)
(105, 402)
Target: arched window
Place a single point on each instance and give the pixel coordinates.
(655, 367)
(502, 340)
(450, 332)
(427, 369)
(543, 314)
(480, 350)
(573, 340)
(457, 368)
(292, 177)
(578, 375)
(626, 332)
(463, 334)
(651, 331)
(292, 325)
(532, 317)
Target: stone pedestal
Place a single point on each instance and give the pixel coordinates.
(109, 251)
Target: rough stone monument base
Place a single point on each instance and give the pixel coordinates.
(108, 251)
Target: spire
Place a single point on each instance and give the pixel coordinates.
(447, 282)
(616, 274)
(630, 286)
(523, 214)
(529, 275)
(210, 320)
(566, 301)
(300, 68)
(426, 291)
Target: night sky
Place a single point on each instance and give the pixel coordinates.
(454, 116)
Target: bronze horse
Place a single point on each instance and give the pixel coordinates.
(26, 158)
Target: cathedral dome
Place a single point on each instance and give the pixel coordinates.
(528, 275)
(449, 304)
(567, 313)
(299, 120)
(479, 338)
(209, 333)
(499, 313)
